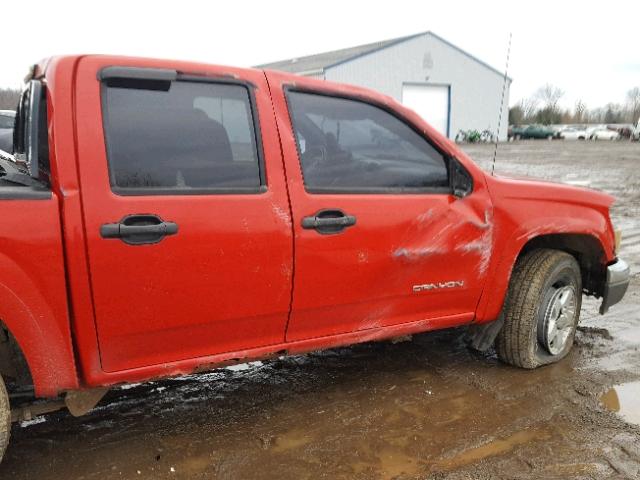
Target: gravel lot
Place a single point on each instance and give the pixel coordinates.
(428, 408)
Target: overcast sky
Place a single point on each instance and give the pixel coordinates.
(589, 49)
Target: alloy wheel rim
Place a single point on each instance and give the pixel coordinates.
(558, 319)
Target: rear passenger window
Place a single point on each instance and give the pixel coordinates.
(180, 137)
(351, 146)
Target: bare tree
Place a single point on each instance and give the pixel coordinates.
(9, 98)
(544, 107)
(579, 111)
(516, 115)
(529, 107)
(633, 103)
(614, 113)
(549, 96)
(550, 112)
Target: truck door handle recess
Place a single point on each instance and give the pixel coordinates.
(139, 229)
(330, 221)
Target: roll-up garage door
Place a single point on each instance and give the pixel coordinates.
(431, 102)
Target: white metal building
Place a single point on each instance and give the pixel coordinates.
(447, 86)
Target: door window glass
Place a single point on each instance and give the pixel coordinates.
(349, 145)
(180, 136)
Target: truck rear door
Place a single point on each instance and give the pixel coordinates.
(185, 207)
(380, 237)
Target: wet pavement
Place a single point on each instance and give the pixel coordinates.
(426, 408)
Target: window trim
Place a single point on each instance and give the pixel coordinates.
(153, 74)
(30, 130)
(365, 190)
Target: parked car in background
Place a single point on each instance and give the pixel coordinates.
(605, 134)
(635, 135)
(557, 130)
(591, 130)
(625, 131)
(532, 131)
(7, 117)
(573, 133)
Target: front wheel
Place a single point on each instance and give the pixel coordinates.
(5, 418)
(542, 309)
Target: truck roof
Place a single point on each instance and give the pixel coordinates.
(47, 66)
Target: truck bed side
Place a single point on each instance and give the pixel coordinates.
(33, 297)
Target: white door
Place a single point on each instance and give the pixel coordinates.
(431, 102)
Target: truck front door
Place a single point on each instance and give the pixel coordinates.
(381, 239)
(188, 234)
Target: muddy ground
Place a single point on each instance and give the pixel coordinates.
(428, 408)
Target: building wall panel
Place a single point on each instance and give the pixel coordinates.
(476, 89)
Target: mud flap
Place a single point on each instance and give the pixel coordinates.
(81, 402)
(481, 337)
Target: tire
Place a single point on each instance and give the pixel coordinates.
(540, 281)
(5, 419)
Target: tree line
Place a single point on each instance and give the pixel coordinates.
(543, 107)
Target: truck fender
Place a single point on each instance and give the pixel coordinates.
(43, 337)
(493, 296)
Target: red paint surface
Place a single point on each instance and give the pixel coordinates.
(221, 290)
(33, 303)
(364, 277)
(222, 284)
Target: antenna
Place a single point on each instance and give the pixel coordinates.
(504, 88)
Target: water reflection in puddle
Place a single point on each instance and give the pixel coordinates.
(624, 399)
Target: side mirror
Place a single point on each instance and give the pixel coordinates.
(461, 181)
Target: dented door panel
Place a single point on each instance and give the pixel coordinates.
(409, 256)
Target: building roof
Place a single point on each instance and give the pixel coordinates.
(320, 62)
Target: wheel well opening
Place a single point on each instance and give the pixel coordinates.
(13, 364)
(587, 251)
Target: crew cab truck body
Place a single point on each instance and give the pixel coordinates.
(176, 217)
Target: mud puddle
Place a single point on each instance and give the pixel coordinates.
(495, 447)
(428, 408)
(624, 400)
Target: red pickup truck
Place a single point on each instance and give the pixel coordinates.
(172, 217)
